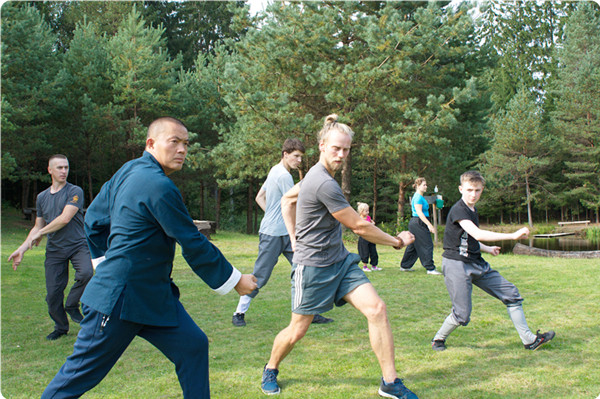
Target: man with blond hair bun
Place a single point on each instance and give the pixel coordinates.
(324, 273)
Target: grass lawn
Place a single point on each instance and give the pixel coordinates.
(484, 360)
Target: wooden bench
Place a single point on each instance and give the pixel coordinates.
(584, 222)
(206, 227)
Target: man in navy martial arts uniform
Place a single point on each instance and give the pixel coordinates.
(132, 227)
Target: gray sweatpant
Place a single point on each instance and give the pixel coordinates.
(269, 249)
(460, 276)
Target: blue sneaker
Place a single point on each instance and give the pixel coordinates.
(269, 384)
(396, 390)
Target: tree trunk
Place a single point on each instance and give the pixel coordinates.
(401, 192)
(249, 224)
(24, 193)
(528, 191)
(375, 191)
(347, 176)
(218, 210)
(89, 179)
(202, 217)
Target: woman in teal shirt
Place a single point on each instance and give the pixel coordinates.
(422, 228)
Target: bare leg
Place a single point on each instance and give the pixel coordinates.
(367, 301)
(287, 338)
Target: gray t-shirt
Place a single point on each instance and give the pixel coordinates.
(50, 206)
(278, 182)
(318, 234)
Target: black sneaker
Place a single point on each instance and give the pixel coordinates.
(269, 383)
(396, 390)
(318, 319)
(438, 344)
(75, 314)
(54, 335)
(238, 320)
(540, 340)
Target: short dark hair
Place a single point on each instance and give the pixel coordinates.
(472, 176)
(57, 156)
(291, 145)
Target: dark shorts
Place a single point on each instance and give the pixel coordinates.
(316, 289)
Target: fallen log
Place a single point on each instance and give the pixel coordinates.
(521, 249)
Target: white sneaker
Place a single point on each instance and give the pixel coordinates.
(434, 272)
(406, 270)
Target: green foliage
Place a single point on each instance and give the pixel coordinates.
(593, 234)
(396, 74)
(143, 75)
(576, 118)
(522, 35)
(520, 151)
(415, 80)
(29, 66)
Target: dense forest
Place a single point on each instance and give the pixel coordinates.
(430, 88)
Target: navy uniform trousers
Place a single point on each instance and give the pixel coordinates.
(103, 339)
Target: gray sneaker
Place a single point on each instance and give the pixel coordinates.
(238, 320)
(396, 390)
(438, 344)
(540, 339)
(269, 383)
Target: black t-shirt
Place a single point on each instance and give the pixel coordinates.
(459, 245)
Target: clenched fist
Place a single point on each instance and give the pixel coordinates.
(246, 285)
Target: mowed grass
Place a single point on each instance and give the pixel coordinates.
(484, 360)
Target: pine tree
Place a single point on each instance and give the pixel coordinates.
(143, 75)
(520, 150)
(89, 114)
(395, 72)
(29, 66)
(576, 118)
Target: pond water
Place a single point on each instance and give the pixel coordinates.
(567, 243)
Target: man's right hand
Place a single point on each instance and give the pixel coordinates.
(16, 258)
(246, 285)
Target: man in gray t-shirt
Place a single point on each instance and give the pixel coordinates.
(324, 273)
(60, 216)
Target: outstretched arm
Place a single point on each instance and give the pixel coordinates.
(351, 219)
(486, 235)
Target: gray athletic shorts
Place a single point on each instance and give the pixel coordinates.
(316, 289)
(460, 276)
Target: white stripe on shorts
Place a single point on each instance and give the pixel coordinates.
(298, 286)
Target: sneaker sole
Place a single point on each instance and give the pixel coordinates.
(386, 395)
(271, 393)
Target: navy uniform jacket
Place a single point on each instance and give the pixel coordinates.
(134, 223)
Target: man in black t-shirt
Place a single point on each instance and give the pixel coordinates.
(60, 216)
(463, 266)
